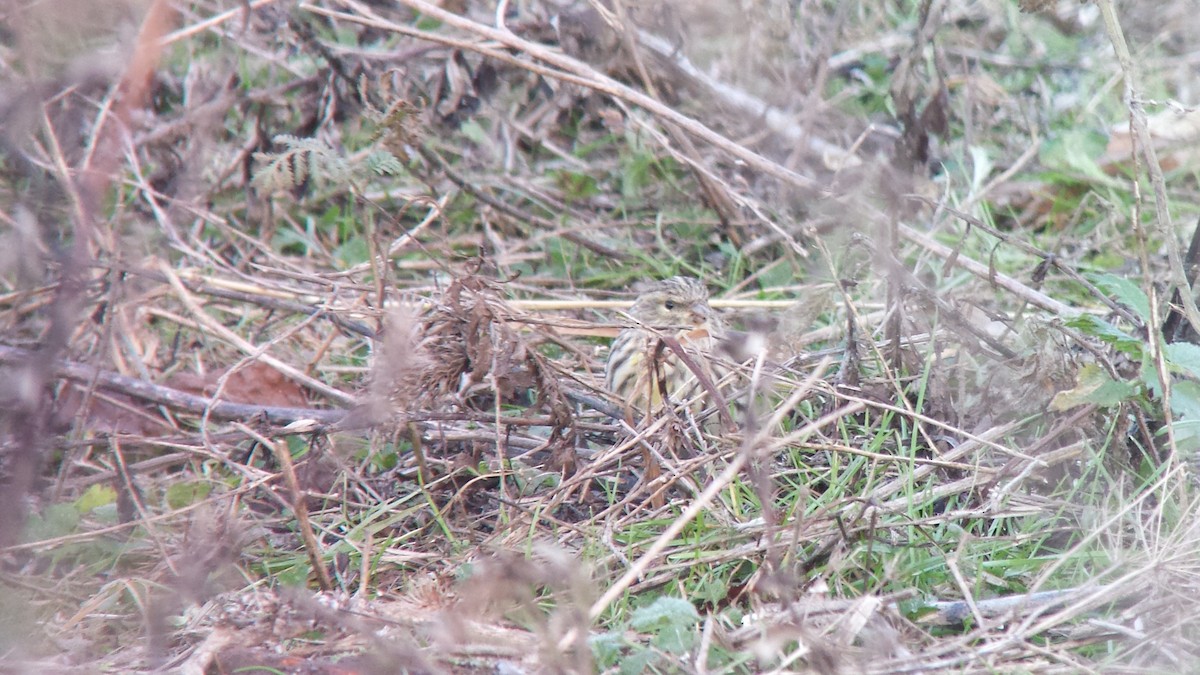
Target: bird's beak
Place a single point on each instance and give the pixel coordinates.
(700, 313)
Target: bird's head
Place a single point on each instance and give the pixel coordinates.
(678, 302)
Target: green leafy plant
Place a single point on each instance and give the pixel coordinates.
(1097, 386)
(669, 624)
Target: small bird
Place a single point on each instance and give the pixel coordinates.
(639, 368)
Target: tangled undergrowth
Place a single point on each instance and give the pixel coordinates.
(305, 310)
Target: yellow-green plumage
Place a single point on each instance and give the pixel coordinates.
(677, 307)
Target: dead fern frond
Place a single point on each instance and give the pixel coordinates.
(303, 160)
(399, 129)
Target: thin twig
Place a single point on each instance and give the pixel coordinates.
(564, 68)
(176, 399)
(1033, 297)
(237, 341)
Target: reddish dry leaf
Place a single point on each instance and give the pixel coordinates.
(1176, 137)
(254, 384)
(107, 412)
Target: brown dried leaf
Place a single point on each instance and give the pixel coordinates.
(108, 412)
(1176, 136)
(254, 383)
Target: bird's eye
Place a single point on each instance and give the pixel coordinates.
(670, 305)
